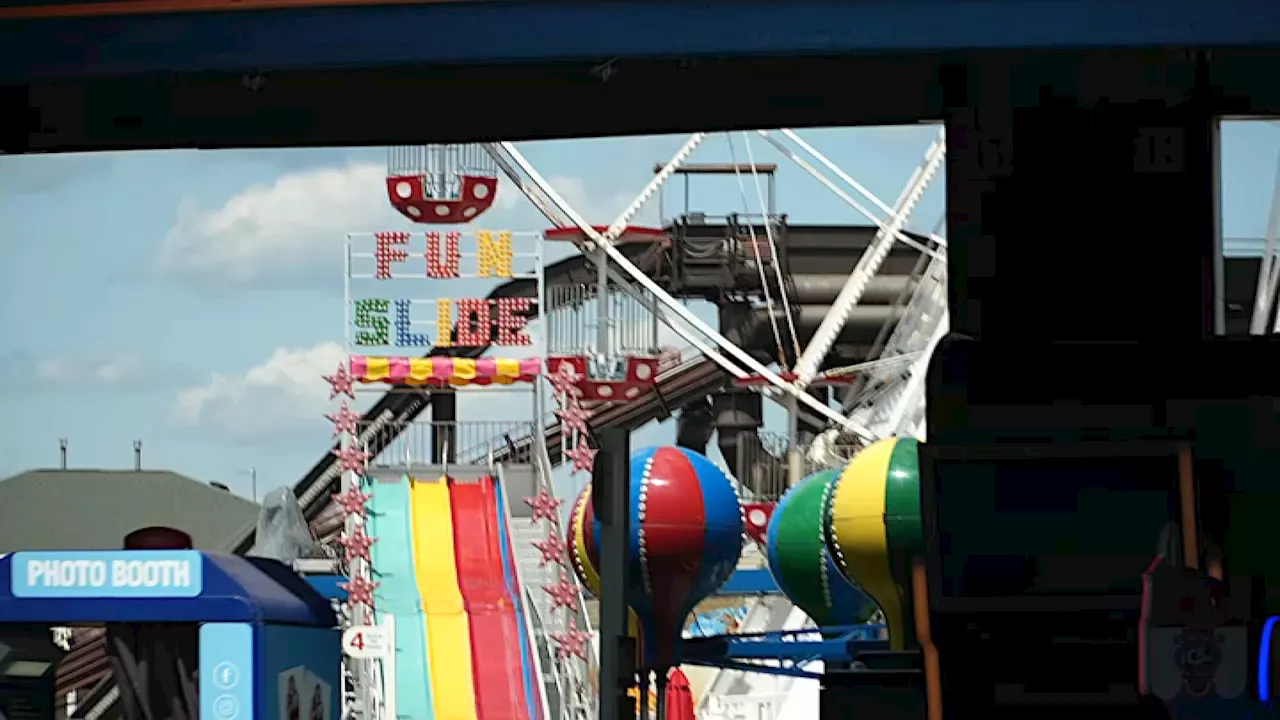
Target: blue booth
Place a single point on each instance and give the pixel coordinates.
(263, 643)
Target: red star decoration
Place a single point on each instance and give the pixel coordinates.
(563, 594)
(553, 549)
(351, 459)
(565, 380)
(544, 506)
(352, 501)
(583, 457)
(341, 383)
(344, 421)
(574, 417)
(357, 544)
(359, 590)
(572, 642)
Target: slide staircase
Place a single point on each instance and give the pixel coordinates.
(569, 691)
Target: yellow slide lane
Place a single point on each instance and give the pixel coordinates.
(448, 632)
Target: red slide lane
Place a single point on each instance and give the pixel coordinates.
(495, 638)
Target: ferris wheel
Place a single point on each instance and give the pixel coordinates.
(446, 184)
(882, 396)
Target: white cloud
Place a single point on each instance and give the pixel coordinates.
(284, 393)
(290, 227)
(92, 371)
(102, 370)
(293, 227)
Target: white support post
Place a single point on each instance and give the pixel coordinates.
(867, 266)
(389, 707)
(1265, 293)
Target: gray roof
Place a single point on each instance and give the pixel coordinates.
(95, 509)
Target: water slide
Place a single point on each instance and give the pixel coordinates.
(446, 566)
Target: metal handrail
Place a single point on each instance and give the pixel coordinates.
(544, 466)
(529, 605)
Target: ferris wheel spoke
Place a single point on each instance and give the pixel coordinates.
(679, 310)
(543, 205)
(882, 224)
(620, 224)
(848, 179)
(867, 266)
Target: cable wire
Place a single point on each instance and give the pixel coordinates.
(773, 246)
(755, 248)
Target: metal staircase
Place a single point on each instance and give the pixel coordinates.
(566, 685)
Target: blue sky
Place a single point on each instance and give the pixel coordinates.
(191, 299)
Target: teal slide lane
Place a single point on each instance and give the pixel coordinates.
(390, 521)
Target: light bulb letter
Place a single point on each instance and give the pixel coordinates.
(371, 321)
(405, 337)
(448, 266)
(494, 256)
(513, 315)
(444, 322)
(390, 249)
(474, 325)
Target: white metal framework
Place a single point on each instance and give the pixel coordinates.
(891, 400)
(715, 346)
(1268, 268)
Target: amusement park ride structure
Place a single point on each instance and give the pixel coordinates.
(588, 326)
(844, 356)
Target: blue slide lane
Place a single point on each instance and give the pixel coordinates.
(390, 521)
(513, 590)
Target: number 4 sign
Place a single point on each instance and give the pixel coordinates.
(365, 642)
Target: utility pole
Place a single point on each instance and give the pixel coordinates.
(610, 492)
(253, 480)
